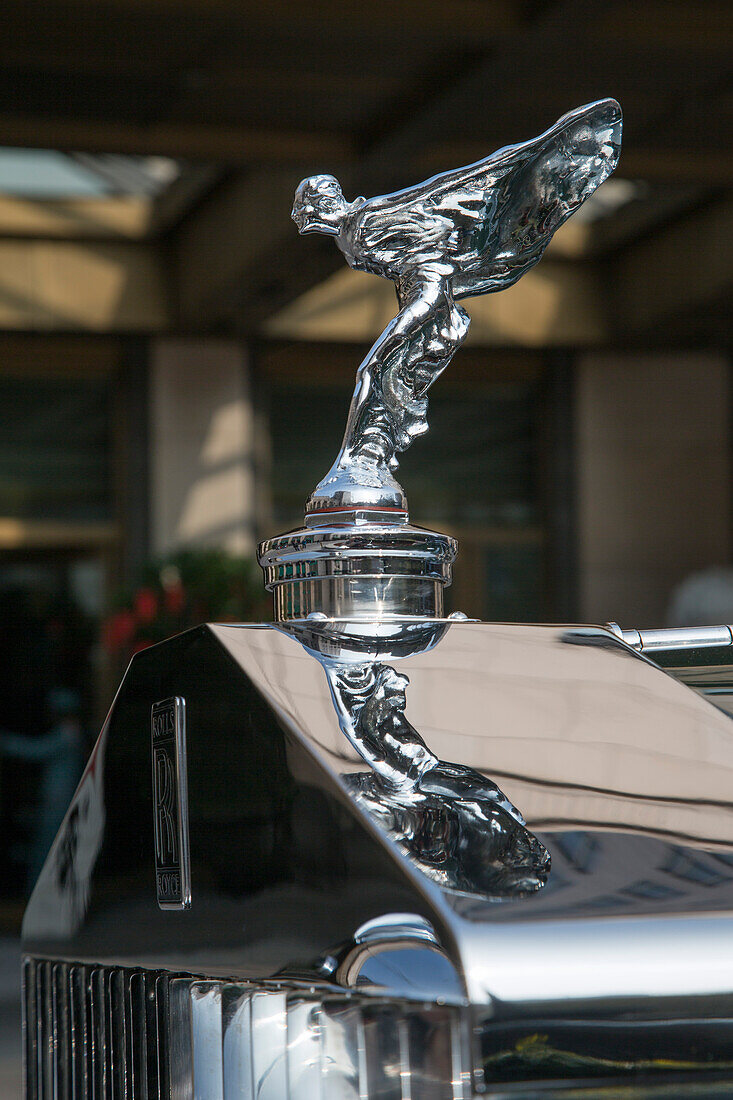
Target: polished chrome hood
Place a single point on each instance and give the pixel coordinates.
(619, 772)
(622, 773)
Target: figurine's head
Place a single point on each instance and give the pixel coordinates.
(319, 205)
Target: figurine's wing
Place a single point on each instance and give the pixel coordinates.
(505, 208)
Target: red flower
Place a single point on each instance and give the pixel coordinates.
(175, 598)
(146, 605)
(118, 631)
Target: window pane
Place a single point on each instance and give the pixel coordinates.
(54, 449)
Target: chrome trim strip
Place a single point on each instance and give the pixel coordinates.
(683, 637)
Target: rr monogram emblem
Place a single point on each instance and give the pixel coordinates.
(166, 848)
(170, 804)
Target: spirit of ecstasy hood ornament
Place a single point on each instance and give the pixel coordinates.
(368, 583)
(462, 233)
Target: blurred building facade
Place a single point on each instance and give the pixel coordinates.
(176, 363)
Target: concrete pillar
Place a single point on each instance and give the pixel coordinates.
(653, 478)
(201, 446)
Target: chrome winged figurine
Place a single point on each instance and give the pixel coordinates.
(460, 234)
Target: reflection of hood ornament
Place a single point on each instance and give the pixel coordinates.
(460, 234)
(452, 822)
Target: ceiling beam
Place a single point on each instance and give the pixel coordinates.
(192, 141)
(25, 534)
(672, 24)
(555, 304)
(60, 286)
(44, 355)
(321, 150)
(105, 218)
(469, 20)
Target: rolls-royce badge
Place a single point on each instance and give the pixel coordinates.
(170, 804)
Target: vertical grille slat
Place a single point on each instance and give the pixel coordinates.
(206, 1031)
(92, 1039)
(342, 1050)
(44, 1033)
(129, 1033)
(236, 1019)
(79, 1029)
(180, 1039)
(116, 1022)
(61, 1031)
(56, 1086)
(305, 1078)
(30, 1036)
(269, 1044)
(138, 1037)
(161, 1023)
(383, 1052)
(98, 1017)
(151, 1036)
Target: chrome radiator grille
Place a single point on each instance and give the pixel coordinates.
(96, 1033)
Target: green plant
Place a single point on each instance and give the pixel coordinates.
(181, 591)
